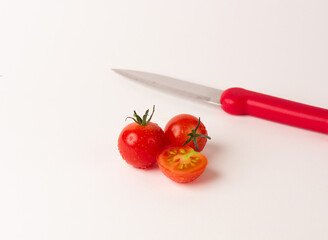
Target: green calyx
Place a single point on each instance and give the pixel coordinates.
(193, 136)
(142, 121)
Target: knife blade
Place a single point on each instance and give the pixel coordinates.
(238, 101)
(173, 86)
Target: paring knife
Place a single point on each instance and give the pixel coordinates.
(239, 101)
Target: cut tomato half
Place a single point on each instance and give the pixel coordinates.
(181, 164)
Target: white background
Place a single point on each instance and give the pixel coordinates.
(62, 109)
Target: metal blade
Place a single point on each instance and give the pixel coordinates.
(173, 86)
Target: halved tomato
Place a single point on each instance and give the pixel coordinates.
(181, 164)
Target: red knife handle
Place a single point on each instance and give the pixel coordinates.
(239, 101)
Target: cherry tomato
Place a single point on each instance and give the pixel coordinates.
(181, 164)
(139, 142)
(185, 129)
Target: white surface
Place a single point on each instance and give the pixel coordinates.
(61, 110)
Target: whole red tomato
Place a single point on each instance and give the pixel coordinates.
(185, 129)
(139, 142)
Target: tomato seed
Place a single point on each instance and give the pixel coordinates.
(182, 151)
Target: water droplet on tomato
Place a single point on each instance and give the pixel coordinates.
(131, 139)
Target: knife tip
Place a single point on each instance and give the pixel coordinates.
(119, 71)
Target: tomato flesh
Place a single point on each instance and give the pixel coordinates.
(181, 164)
